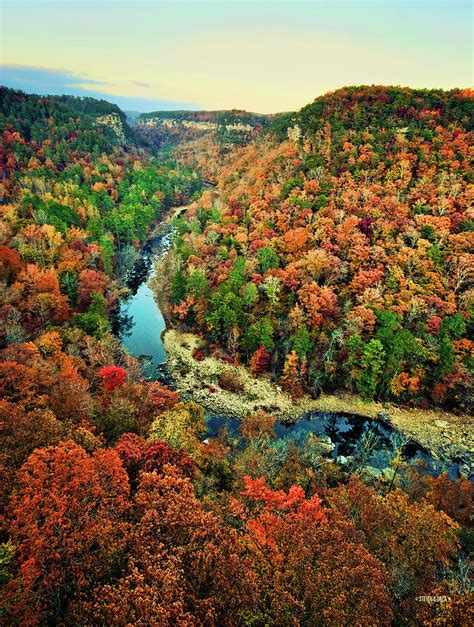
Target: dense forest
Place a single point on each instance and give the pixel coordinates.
(343, 255)
(335, 253)
(202, 140)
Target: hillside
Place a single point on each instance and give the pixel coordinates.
(341, 257)
(100, 123)
(76, 205)
(202, 140)
(328, 257)
(231, 128)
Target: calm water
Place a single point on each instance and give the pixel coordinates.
(148, 323)
(352, 436)
(141, 335)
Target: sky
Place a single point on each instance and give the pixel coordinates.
(264, 56)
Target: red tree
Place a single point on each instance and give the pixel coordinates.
(260, 360)
(113, 377)
(185, 567)
(67, 524)
(309, 562)
(139, 455)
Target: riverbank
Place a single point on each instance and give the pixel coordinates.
(444, 435)
(166, 218)
(199, 381)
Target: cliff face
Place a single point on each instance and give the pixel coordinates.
(192, 134)
(114, 121)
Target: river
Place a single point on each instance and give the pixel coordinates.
(142, 336)
(343, 436)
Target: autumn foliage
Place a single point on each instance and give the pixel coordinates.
(113, 377)
(67, 503)
(338, 258)
(342, 248)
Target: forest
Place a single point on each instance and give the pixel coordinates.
(344, 253)
(333, 255)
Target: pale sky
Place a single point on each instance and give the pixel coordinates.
(264, 56)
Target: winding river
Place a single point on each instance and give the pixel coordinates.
(342, 435)
(144, 320)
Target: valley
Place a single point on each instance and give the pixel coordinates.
(236, 361)
(447, 437)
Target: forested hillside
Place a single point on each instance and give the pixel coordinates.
(76, 203)
(203, 140)
(342, 256)
(336, 256)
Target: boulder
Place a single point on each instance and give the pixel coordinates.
(464, 471)
(326, 444)
(369, 473)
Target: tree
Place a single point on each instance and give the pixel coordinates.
(10, 263)
(178, 286)
(67, 522)
(258, 424)
(225, 313)
(197, 285)
(456, 499)
(113, 377)
(39, 244)
(184, 566)
(301, 342)
(181, 427)
(290, 379)
(260, 361)
(271, 286)
(421, 540)
(371, 364)
(268, 259)
(258, 334)
(91, 281)
(23, 430)
(139, 455)
(308, 570)
(249, 294)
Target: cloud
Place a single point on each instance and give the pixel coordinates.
(55, 82)
(32, 77)
(140, 84)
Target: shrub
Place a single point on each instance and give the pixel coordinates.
(197, 354)
(229, 381)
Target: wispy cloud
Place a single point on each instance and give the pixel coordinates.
(266, 56)
(140, 84)
(54, 82)
(53, 78)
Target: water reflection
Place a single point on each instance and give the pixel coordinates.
(139, 322)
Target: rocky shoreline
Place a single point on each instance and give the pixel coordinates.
(443, 435)
(199, 381)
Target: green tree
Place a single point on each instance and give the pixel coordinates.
(94, 321)
(69, 285)
(249, 294)
(259, 333)
(237, 275)
(197, 284)
(267, 258)
(372, 364)
(178, 286)
(301, 342)
(107, 250)
(225, 312)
